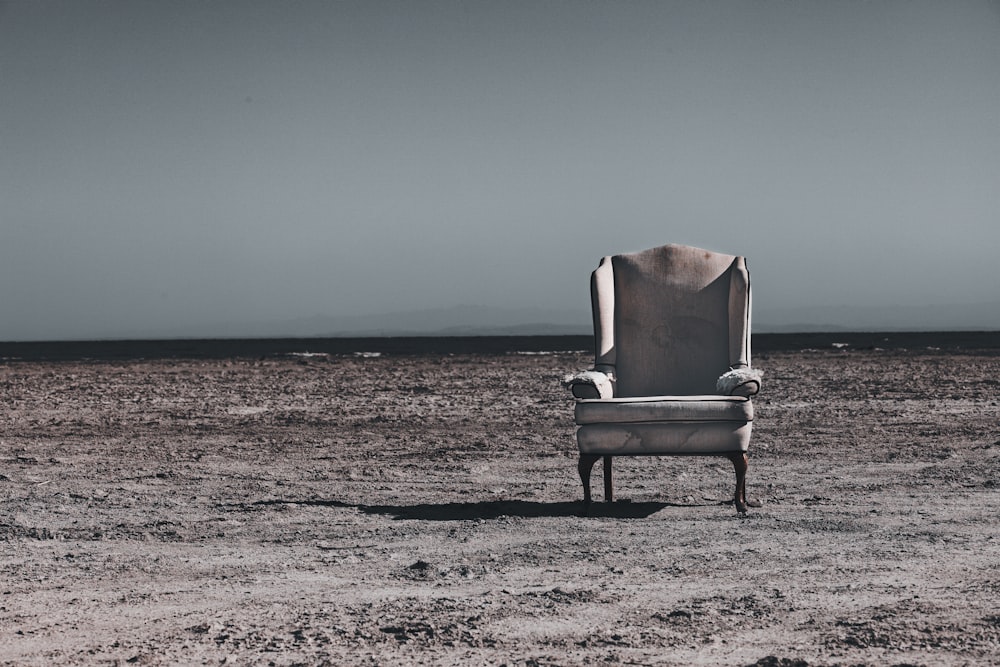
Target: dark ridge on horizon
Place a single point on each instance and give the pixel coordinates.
(261, 348)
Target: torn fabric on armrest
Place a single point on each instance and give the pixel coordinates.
(590, 384)
(743, 381)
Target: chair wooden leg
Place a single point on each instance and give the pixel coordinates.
(740, 463)
(607, 479)
(585, 465)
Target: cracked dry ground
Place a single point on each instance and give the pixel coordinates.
(424, 510)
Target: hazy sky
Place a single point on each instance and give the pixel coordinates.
(169, 165)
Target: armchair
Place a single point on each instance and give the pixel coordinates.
(671, 373)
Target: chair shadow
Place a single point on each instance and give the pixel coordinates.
(492, 509)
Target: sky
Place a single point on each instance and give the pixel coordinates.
(169, 166)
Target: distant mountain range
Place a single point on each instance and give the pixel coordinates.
(454, 321)
(941, 317)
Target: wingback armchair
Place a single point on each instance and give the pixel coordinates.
(671, 373)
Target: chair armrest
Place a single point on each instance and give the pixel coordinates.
(740, 381)
(590, 384)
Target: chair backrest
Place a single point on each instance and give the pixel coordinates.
(670, 320)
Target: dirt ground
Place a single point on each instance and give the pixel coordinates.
(397, 510)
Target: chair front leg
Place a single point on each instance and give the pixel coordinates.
(740, 463)
(585, 465)
(607, 479)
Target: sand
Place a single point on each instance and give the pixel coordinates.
(424, 509)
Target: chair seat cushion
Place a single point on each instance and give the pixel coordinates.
(664, 409)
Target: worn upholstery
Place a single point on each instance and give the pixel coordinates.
(668, 322)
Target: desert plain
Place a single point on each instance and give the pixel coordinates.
(424, 509)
